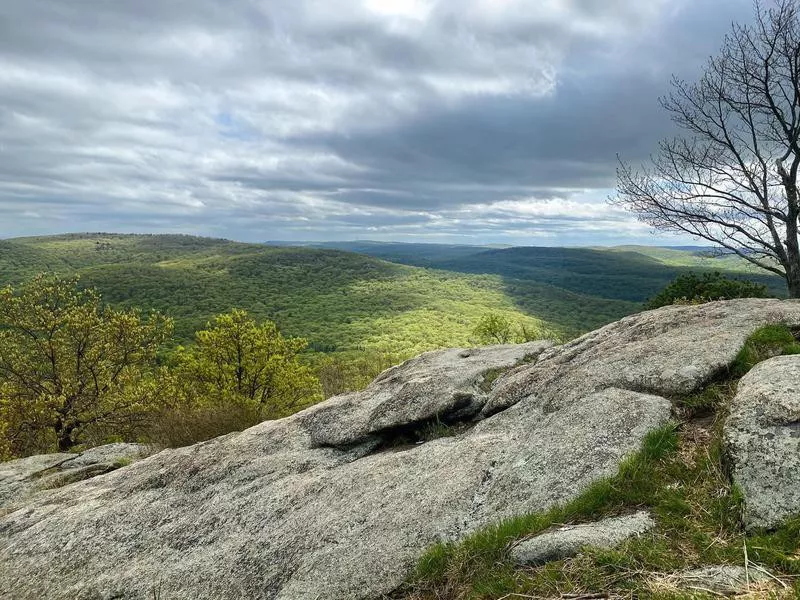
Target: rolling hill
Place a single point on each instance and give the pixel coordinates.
(627, 273)
(396, 298)
(337, 300)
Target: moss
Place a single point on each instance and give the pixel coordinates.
(489, 377)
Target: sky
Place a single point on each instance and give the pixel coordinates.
(458, 121)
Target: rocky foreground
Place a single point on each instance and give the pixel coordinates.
(340, 500)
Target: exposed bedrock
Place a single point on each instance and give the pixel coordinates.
(323, 505)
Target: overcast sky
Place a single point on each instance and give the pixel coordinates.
(471, 121)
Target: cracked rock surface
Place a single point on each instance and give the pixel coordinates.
(25, 476)
(433, 385)
(317, 505)
(762, 441)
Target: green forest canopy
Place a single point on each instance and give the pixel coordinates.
(343, 301)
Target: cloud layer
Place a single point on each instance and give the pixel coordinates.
(469, 120)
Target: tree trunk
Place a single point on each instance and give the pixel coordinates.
(792, 266)
(64, 436)
(793, 277)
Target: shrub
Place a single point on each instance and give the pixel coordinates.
(693, 289)
(239, 361)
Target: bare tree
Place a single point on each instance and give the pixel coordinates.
(732, 180)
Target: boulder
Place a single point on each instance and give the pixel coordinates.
(444, 385)
(762, 441)
(22, 477)
(670, 352)
(567, 541)
(326, 504)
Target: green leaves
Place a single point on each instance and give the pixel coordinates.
(74, 371)
(496, 328)
(239, 360)
(67, 362)
(694, 289)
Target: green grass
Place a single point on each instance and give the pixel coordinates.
(479, 564)
(772, 340)
(489, 377)
(678, 475)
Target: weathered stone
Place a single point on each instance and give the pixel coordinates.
(718, 579)
(762, 441)
(568, 541)
(319, 505)
(25, 476)
(17, 477)
(265, 514)
(444, 384)
(670, 351)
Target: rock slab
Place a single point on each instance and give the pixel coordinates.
(23, 477)
(565, 542)
(443, 385)
(762, 441)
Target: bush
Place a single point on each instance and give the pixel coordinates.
(237, 360)
(174, 426)
(494, 329)
(694, 289)
(343, 372)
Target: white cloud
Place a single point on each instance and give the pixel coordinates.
(403, 117)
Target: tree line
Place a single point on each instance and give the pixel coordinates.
(76, 372)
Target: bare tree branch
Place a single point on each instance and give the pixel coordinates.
(732, 179)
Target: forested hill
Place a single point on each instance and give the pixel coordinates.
(343, 300)
(628, 273)
(337, 300)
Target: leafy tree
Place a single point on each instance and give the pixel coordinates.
(709, 286)
(68, 363)
(237, 360)
(732, 179)
(494, 328)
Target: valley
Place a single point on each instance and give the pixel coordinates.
(393, 298)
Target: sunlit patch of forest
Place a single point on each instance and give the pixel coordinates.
(348, 298)
(338, 301)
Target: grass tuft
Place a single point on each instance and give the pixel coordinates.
(769, 341)
(480, 564)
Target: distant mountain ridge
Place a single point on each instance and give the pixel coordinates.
(337, 300)
(628, 273)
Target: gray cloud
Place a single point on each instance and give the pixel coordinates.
(475, 120)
